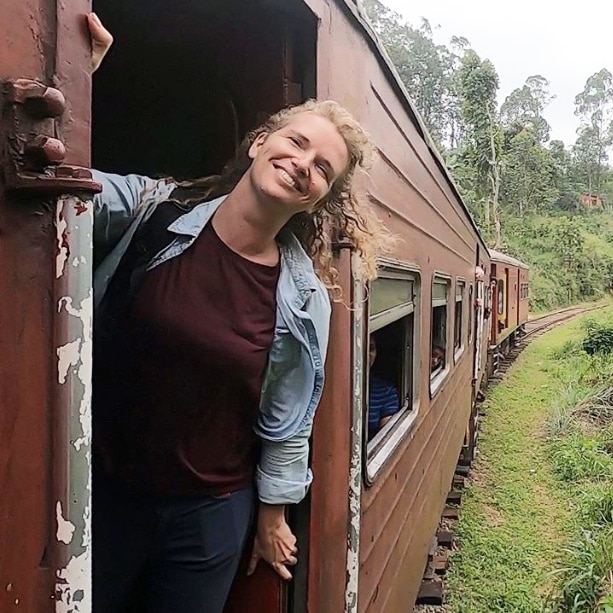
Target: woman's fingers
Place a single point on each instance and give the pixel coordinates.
(101, 39)
(282, 571)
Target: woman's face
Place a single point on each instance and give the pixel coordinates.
(298, 164)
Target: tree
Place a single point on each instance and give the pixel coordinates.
(423, 67)
(564, 177)
(529, 174)
(588, 157)
(478, 84)
(594, 105)
(524, 107)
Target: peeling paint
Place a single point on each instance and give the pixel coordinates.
(74, 302)
(73, 586)
(65, 528)
(80, 208)
(63, 249)
(68, 355)
(83, 360)
(355, 467)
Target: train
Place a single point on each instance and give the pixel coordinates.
(180, 88)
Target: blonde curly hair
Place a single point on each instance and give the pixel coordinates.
(343, 215)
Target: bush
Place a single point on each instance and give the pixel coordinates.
(599, 338)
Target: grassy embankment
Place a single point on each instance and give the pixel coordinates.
(541, 496)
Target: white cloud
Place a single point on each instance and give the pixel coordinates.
(566, 43)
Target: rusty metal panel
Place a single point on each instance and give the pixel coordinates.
(413, 195)
(44, 438)
(26, 240)
(401, 510)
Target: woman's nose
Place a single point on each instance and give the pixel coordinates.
(302, 164)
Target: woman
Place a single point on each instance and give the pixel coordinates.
(212, 374)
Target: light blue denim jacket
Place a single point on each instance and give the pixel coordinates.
(294, 377)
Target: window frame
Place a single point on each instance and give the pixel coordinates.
(470, 299)
(379, 451)
(457, 353)
(438, 378)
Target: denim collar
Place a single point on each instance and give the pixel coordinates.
(293, 255)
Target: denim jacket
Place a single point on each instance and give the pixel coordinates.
(294, 376)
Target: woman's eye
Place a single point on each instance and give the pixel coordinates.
(323, 170)
(295, 140)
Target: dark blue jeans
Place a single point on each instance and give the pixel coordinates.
(179, 553)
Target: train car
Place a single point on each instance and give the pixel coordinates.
(175, 95)
(510, 287)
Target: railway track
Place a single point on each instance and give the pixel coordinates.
(431, 596)
(534, 328)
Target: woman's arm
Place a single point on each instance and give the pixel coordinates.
(282, 477)
(116, 206)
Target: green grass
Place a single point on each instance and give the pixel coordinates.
(519, 515)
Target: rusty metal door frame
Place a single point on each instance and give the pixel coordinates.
(44, 158)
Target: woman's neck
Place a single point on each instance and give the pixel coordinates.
(248, 226)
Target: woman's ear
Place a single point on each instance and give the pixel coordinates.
(256, 145)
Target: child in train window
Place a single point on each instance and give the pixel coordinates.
(383, 400)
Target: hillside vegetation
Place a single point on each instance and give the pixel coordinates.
(537, 199)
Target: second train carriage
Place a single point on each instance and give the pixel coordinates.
(510, 294)
(175, 99)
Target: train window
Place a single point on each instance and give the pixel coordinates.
(500, 297)
(391, 399)
(458, 326)
(439, 362)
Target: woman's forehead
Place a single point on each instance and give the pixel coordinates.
(322, 133)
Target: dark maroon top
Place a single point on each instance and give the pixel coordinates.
(200, 330)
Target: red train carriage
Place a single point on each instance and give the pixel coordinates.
(178, 91)
(510, 289)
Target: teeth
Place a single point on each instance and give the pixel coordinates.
(289, 180)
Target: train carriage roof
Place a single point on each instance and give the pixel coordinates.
(498, 256)
(359, 14)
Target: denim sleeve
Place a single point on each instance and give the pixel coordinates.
(283, 475)
(116, 206)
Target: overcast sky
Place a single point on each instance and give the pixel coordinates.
(566, 42)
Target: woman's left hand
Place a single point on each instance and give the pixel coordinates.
(274, 541)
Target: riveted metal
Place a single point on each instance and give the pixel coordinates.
(38, 100)
(33, 154)
(45, 151)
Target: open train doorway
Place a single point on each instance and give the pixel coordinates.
(185, 81)
(182, 85)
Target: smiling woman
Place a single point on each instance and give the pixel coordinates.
(210, 354)
(320, 146)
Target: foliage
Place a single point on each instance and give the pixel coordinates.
(524, 191)
(599, 337)
(585, 582)
(581, 457)
(481, 149)
(524, 107)
(581, 452)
